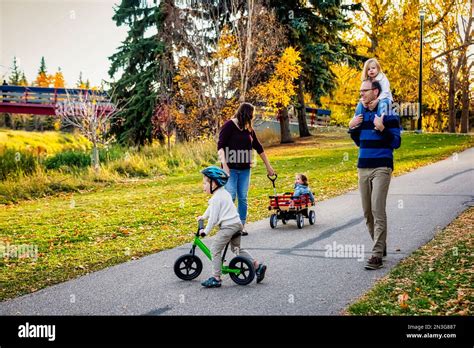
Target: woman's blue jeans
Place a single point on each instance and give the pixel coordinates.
(238, 186)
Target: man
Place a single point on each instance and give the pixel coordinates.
(376, 136)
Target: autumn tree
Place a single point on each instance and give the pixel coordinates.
(43, 79)
(81, 83)
(281, 88)
(58, 80)
(455, 36)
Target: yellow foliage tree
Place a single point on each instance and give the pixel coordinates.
(58, 80)
(281, 86)
(390, 31)
(44, 80)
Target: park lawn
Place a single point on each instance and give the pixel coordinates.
(435, 280)
(48, 142)
(79, 233)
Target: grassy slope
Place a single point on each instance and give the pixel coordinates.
(50, 141)
(80, 233)
(435, 280)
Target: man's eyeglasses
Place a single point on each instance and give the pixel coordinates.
(366, 90)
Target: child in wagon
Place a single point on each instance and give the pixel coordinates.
(301, 188)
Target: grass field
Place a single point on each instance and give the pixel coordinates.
(435, 280)
(49, 142)
(77, 233)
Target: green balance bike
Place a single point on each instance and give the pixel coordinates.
(189, 266)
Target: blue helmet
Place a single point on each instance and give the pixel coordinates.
(217, 174)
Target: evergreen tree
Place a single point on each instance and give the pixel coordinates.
(23, 81)
(42, 69)
(15, 76)
(80, 82)
(136, 91)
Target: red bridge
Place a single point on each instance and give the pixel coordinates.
(42, 100)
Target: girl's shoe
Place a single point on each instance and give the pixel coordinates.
(212, 283)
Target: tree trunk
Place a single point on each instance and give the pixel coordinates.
(302, 124)
(95, 157)
(285, 126)
(465, 98)
(451, 105)
(180, 136)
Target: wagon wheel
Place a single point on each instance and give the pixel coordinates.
(312, 217)
(299, 220)
(273, 220)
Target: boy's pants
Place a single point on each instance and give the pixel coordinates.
(373, 187)
(222, 237)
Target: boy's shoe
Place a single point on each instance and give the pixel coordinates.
(374, 263)
(212, 283)
(260, 272)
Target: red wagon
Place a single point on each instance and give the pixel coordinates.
(286, 207)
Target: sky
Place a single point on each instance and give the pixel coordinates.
(76, 35)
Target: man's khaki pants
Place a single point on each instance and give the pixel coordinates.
(223, 236)
(373, 187)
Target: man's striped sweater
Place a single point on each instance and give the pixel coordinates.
(375, 147)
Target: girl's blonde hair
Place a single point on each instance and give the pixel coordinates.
(365, 76)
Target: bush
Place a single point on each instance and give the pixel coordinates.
(14, 163)
(132, 166)
(77, 159)
(112, 153)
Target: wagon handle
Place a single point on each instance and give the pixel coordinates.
(272, 179)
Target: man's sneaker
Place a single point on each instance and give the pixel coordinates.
(374, 263)
(212, 283)
(260, 272)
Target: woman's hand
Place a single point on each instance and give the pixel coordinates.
(226, 168)
(269, 167)
(270, 171)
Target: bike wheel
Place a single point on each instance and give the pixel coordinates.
(247, 271)
(312, 217)
(299, 220)
(188, 267)
(273, 221)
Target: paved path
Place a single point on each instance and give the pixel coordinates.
(300, 280)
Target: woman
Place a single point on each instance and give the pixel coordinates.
(236, 141)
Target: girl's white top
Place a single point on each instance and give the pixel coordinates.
(221, 210)
(383, 80)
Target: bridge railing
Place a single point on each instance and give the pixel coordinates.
(46, 95)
